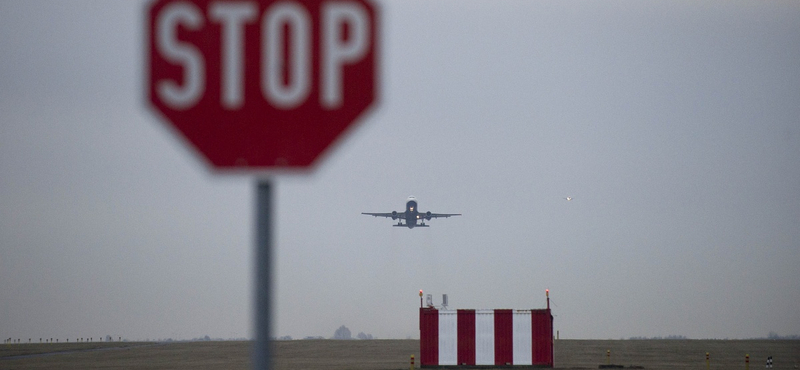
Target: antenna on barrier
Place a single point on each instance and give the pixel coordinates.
(429, 300)
(444, 301)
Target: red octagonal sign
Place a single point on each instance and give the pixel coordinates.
(261, 84)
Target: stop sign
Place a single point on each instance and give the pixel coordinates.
(261, 84)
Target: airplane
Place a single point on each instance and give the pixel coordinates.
(411, 215)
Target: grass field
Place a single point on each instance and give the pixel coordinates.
(389, 354)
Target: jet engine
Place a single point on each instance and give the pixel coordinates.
(394, 215)
(428, 215)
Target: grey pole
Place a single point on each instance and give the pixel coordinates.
(262, 353)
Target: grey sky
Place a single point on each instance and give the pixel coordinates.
(674, 125)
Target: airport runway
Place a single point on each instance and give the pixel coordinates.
(391, 354)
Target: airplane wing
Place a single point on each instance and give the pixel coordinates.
(396, 215)
(437, 215)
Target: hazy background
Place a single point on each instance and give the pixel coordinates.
(674, 125)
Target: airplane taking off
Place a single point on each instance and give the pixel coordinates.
(411, 215)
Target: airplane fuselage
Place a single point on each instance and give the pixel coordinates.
(413, 215)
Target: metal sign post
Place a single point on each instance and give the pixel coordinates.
(262, 353)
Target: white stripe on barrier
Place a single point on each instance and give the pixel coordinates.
(484, 337)
(523, 341)
(448, 337)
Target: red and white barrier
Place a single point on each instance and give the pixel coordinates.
(486, 337)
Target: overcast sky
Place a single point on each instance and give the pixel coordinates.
(675, 127)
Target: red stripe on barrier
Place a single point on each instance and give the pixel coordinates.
(542, 337)
(503, 337)
(466, 337)
(429, 337)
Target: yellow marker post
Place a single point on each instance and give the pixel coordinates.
(608, 357)
(412, 362)
(747, 361)
(708, 363)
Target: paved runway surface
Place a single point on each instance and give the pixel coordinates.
(390, 354)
